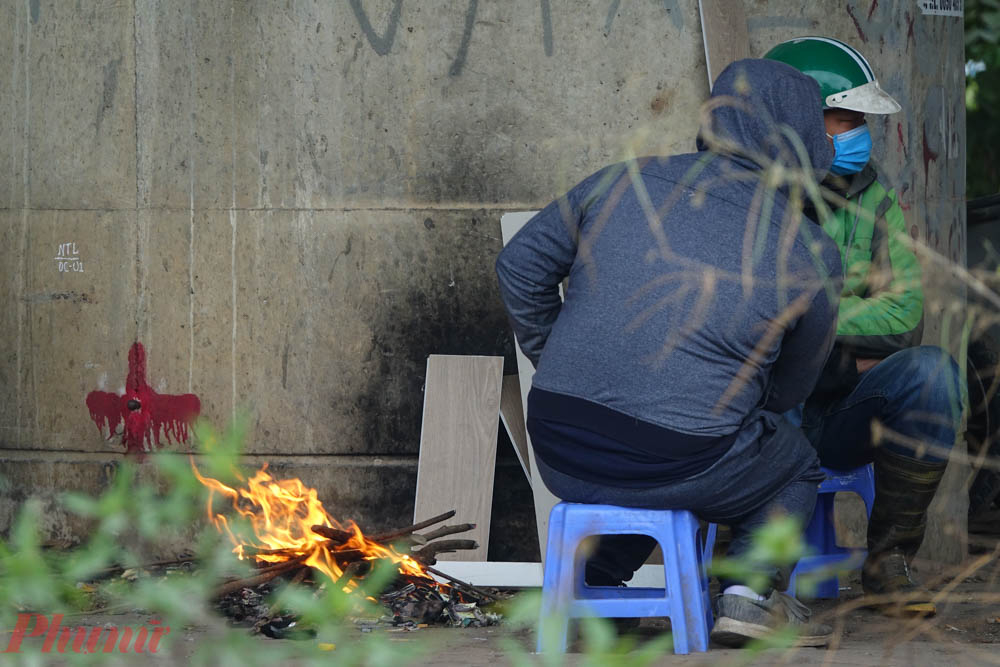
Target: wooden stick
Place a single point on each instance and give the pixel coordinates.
(385, 537)
(447, 530)
(349, 573)
(349, 555)
(429, 552)
(335, 535)
(281, 564)
(288, 553)
(263, 576)
(460, 583)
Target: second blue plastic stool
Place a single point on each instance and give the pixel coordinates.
(565, 595)
(821, 534)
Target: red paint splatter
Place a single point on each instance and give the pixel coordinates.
(872, 10)
(904, 196)
(902, 141)
(861, 33)
(145, 414)
(928, 155)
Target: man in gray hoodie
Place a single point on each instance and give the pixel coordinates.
(701, 305)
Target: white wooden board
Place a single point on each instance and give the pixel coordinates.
(724, 33)
(528, 575)
(458, 444)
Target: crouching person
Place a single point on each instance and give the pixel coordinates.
(877, 372)
(700, 306)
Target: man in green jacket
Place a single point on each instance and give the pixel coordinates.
(876, 372)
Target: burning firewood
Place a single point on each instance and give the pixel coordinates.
(335, 535)
(448, 530)
(391, 535)
(428, 553)
(263, 576)
(293, 534)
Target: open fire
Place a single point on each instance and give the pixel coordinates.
(288, 533)
(289, 522)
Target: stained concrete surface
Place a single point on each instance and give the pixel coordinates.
(80, 121)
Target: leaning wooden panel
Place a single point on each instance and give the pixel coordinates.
(512, 416)
(458, 444)
(724, 33)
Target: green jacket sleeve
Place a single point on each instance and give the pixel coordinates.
(887, 316)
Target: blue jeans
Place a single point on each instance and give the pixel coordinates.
(917, 394)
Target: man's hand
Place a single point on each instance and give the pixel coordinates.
(866, 364)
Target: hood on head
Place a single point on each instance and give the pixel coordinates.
(760, 109)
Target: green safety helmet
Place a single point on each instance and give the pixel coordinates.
(846, 80)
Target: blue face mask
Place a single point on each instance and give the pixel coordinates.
(851, 150)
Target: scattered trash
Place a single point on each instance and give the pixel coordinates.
(286, 627)
(247, 605)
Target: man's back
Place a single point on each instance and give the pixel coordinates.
(687, 275)
(679, 324)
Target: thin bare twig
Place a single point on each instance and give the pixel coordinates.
(428, 553)
(263, 576)
(461, 584)
(335, 535)
(447, 530)
(386, 537)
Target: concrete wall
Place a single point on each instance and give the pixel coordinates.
(291, 204)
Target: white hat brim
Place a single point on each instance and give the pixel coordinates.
(868, 98)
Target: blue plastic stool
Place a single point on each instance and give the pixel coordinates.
(821, 534)
(685, 601)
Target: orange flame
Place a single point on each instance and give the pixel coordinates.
(281, 513)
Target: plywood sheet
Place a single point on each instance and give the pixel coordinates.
(458, 444)
(725, 34)
(512, 416)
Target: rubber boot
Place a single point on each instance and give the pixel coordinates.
(904, 488)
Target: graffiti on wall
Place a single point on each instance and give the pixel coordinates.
(68, 259)
(145, 415)
(382, 43)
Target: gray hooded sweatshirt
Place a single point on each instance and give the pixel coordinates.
(698, 295)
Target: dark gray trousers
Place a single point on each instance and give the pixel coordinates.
(771, 468)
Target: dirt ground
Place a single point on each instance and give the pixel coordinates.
(966, 631)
